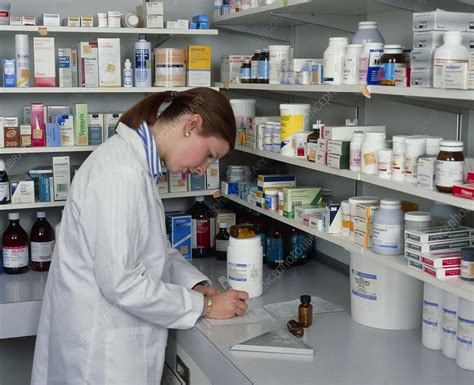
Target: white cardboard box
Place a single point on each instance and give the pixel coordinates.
(440, 20)
(212, 176)
(65, 67)
(421, 77)
(24, 191)
(51, 20)
(44, 61)
(434, 39)
(110, 70)
(61, 177)
(178, 182)
(88, 64)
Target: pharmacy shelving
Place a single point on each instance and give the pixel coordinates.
(189, 194)
(452, 285)
(45, 150)
(107, 31)
(86, 90)
(406, 188)
(368, 91)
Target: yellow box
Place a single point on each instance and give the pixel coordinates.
(199, 57)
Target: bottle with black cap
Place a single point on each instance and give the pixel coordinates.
(305, 311)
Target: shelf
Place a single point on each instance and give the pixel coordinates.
(45, 150)
(452, 285)
(408, 92)
(406, 188)
(107, 31)
(85, 90)
(188, 194)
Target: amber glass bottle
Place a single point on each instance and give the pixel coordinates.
(42, 243)
(15, 247)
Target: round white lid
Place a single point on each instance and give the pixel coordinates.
(367, 24)
(417, 216)
(413, 140)
(363, 199)
(451, 146)
(339, 40)
(41, 214)
(399, 138)
(295, 105)
(375, 134)
(223, 225)
(390, 202)
(13, 216)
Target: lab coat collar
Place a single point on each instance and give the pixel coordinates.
(130, 136)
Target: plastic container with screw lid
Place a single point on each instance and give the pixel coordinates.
(388, 228)
(417, 220)
(367, 33)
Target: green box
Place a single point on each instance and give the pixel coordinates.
(298, 196)
(81, 125)
(338, 161)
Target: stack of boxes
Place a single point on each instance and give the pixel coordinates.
(174, 182)
(300, 196)
(151, 14)
(230, 67)
(428, 31)
(254, 130)
(199, 22)
(272, 182)
(437, 250)
(361, 223)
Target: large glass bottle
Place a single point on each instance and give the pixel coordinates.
(203, 236)
(4, 185)
(222, 241)
(42, 243)
(15, 247)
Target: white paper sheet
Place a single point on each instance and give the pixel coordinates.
(290, 308)
(251, 317)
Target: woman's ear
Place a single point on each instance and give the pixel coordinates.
(194, 124)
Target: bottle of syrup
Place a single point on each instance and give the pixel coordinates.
(222, 241)
(15, 247)
(203, 237)
(42, 243)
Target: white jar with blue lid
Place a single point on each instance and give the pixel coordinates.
(388, 228)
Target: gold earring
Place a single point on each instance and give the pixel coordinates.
(187, 134)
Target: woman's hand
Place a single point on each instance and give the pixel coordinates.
(228, 304)
(206, 290)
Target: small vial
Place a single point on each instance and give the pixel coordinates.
(305, 311)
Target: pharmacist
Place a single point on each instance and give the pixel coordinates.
(115, 286)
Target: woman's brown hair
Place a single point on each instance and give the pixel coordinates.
(214, 108)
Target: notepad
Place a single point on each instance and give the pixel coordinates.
(275, 341)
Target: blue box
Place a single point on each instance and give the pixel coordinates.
(53, 135)
(201, 19)
(179, 227)
(197, 182)
(45, 188)
(193, 25)
(9, 73)
(203, 25)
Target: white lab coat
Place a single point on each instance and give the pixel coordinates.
(115, 285)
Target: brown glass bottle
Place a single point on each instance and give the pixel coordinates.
(264, 67)
(449, 166)
(245, 72)
(312, 143)
(243, 230)
(203, 229)
(305, 311)
(254, 66)
(42, 243)
(222, 241)
(15, 247)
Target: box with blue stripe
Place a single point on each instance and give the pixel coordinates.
(265, 182)
(179, 228)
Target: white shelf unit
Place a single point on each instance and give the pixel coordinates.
(45, 150)
(406, 188)
(453, 285)
(107, 31)
(85, 90)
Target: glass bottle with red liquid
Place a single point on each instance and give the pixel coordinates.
(42, 243)
(204, 233)
(16, 256)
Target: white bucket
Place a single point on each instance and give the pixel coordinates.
(277, 54)
(245, 265)
(382, 297)
(294, 118)
(243, 109)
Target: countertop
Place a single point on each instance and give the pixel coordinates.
(345, 351)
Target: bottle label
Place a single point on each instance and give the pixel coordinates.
(127, 78)
(142, 64)
(333, 67)
(355, 159)
(221, 245)
(254, 69)
(311, 149)
(449, 324)
(202, 234)
(245, 74)
(388, 237)
(430, 316)
(370, 159)
(263, 70)
(448, 173)
(15, 256)
(4, 192)
(42, 251)
(351, 70)
(467, 269)
(274, 250)
(364, 285)
(465, 335)
(410, 168)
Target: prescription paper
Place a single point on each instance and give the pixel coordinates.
(250, 317)
(290, 308)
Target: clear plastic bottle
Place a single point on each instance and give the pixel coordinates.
(4, 185)
(388, 228)
(127, 74)
(334, 60)
(142, 62)
(42, 243)
(15, 247)
(367, 33)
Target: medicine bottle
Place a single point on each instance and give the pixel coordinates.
(305, 311)
(264, 67)
(351, 64)
(245, 72)
(42, 243)
(393, 67)
(467, 264)
(449, 166)
(275, 249)
(312, 142)
(388, 228)
(367, 33)
(203, 229)
(398, 156)
(334, 60)
(222, 241)
(254, 62)
(15, 247)
(271, 200)
(415, 146)
(4, 185)
(415, 220)
(127, 74)
(373, 141)
(354, 151)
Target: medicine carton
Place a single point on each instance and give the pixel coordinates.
(439, 234)
(361, 224)
(15, 20)
(110, 124)
(362, 239)
(179, 227)
(306, 210)
(199, 66)
(178, 182)
(28, 21)
(53, 135)
(11, 131)
(51, 20)
(96, 129)
(44, 61)
(421, 77)
(22, 190)
(443, 272)
(61, 177)
(434, 39)
(88, 64)
(425, 177)
(163, 181)
(153, 21)
(38, 125)
(332, 217)
(338, 161)
(440, 20)
(74, 73)
(66, 125)
(183, 23)
(212, 176)
(441, 260)
(366, 210)
(171, 25)
(81, 125)
(275, 181)
(25, 135)
(196, 182)
(72, 21)
(153, 7)
(225, 216)
(9, 72)
(439, 246)
(110, 70)
(87, 21)
(65, 67)
(300, 196)
(53, 111)
(414, 264)
(422, 58)
(338, 147)
(344, 133)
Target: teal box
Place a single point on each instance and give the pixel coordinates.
(179, 228)
(53, 135)
(197, 182)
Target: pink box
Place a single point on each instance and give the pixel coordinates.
(37, 125)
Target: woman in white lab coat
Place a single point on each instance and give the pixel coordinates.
(115, 285)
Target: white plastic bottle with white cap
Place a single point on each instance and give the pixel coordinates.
(22, 56)
(334, 60)
(431, 332)
(449, 324)
(5, 196)
(465, 335)
(388, 227)
(127, 74)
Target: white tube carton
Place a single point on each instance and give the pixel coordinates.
(110, 71)
(88, 64)
(44, 61)
(61, 177)
(65, 67)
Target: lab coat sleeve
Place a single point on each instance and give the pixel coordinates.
(116, 224)
(182, 272)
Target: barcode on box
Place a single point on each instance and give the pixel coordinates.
(62, 187)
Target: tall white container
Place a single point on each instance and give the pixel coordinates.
(245, 265)
(383, 298)
(243, 109)
(143, 62)
(22, 55)
(351, 64)
(431, 332)
(294, 118)
(334, 60)
(398, 157)
(373, 141)
(465, 335)
(277, 54)
(449, 324)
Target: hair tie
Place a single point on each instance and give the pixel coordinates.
(167, 103)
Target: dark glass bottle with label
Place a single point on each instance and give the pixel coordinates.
(264, 67)
(245, 72)
(312, 143)
(42, 243)
(15, 247)
(4, 185)
(254, 66)
(275, 246)
(203, 236)
(222, 241)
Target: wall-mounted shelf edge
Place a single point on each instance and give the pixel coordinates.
(85, 90)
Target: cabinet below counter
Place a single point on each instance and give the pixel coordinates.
(345, 351)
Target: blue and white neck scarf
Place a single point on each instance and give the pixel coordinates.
(151, 149)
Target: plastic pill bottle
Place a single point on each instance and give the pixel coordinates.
(351, 64)
(334, 60)
(388, 228)
(415, 220)
(354, 151)
(373, 141)
(414, 148)
(384, 161)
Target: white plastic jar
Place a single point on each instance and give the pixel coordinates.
(354, 151)
(243, 109)
(384, 163)
(415, 146)
(294, 118)
(431, 332)
(367, 33)
(398, 144)
(465, 335)
(415, 220)
(388, 228)
(432, 145)
(245, 265)
(268, 136)
(351, 64)
(276, 137)
(277, 54)
(449, 323)
(373, 141)
(451, 62)
(364, 60)
(334, 60)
